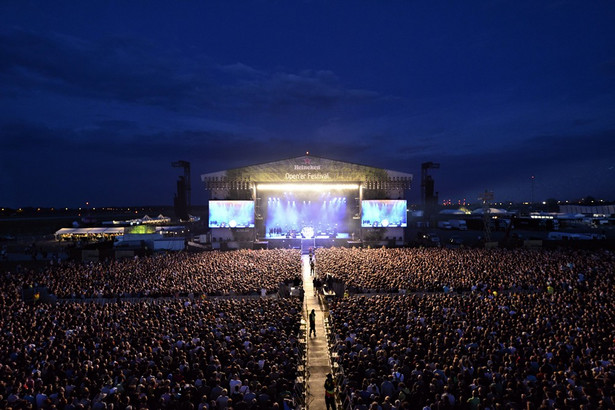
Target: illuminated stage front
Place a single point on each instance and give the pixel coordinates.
(323, 212)
(307, 198)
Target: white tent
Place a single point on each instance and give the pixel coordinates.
(492, 211)
(65, 231)
(69, 232)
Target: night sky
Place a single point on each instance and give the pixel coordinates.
(97, 98)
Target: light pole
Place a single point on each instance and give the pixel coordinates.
(532, 193)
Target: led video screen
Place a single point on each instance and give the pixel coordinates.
(383, 213)
(309, 213)
(231, 214)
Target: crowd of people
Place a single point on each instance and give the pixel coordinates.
(147, 333)
(436, 269)
(549, 344)
(242, 272)
(240, 353)
(469, 328)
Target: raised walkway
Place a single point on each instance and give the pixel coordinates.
(317, 360)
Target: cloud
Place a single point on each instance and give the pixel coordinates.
(566, 149)
(115, 68)
(25, 136)
(573, 165)
(117, 126)
(126, 70)
(55, 166)
(241, 70)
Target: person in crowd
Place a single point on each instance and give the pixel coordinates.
(330, 392)
(312, 320)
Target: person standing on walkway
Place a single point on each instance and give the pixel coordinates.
(313, 322)
(330, 392)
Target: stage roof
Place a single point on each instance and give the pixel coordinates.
(308, 169)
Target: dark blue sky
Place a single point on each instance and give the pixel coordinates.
(97, 98)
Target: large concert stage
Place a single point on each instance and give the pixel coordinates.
(307, 199)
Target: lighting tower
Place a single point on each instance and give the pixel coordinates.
(487, 197)
(532, 196)
(182, 200)
(427, 183)
(428, 197)
(186, 166)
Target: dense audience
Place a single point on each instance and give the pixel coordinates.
(240, 272)
(146, 352)
(434, 269)
(212, 354)
(548, 348)
(473, 328)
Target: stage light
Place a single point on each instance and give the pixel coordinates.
(306, 187)
(308, 232)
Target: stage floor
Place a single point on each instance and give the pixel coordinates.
(340, 235)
